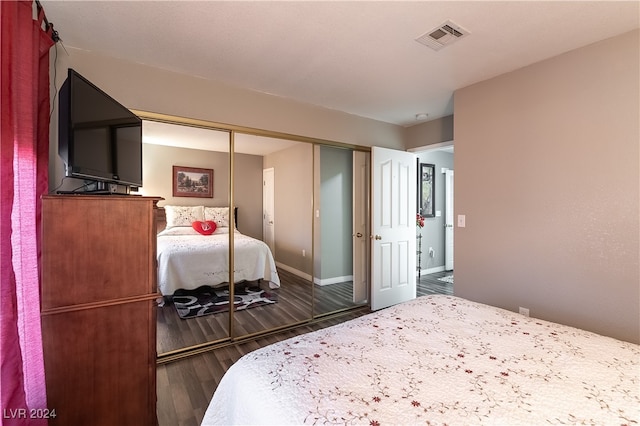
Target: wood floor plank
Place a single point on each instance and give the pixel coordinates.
(165, 408)
(430, 284)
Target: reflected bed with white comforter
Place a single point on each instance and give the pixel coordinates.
(435, 360)
(188, 260)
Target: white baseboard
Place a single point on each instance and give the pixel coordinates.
(294, 271)
(328, 281)
(432, 270)
(334, 280)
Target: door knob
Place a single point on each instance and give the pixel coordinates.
(359, 235)
(378, 237)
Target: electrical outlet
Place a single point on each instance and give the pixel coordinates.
(432, 252)
(524, 311)
(304, 252)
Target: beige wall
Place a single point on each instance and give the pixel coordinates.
(248, 193)
(547, 163)
(157, 173)
(151, 89)
(293, 197)
(546, 171)
(158, 162)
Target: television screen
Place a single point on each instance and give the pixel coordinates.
(91, 154)
(128, 154)
(99, 139)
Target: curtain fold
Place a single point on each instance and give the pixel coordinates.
(24, 155)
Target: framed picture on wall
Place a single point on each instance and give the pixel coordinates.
(192, 182)
(426, 189)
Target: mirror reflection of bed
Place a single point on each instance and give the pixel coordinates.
(302, 242)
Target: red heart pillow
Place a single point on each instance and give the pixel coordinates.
(206, 227)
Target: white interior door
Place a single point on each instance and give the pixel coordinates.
(448, 223)
(393, 227)
(268, 226)
(360, 227)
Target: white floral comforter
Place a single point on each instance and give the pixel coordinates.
(435, 360)
(189, 260)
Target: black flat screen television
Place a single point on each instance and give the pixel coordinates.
(99, 140)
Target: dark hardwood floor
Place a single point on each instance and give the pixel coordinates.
(294, 306)
(185, 386)
(431, 284)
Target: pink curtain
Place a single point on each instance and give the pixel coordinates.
(24, 173)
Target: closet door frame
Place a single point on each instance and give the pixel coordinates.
(233, 130)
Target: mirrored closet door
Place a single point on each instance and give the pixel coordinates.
(299, 230)
(273, 181)
(189, 166)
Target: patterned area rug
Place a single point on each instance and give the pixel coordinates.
(206, 301)
(447, 279)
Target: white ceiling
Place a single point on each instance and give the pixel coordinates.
(358, 57)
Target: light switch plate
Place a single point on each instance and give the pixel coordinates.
(461, 221)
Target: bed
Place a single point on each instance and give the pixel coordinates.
(189, 259)
(435, 360)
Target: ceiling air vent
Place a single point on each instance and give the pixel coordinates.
(442, 36)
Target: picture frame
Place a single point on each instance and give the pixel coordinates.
(192, 182)
(426, 189)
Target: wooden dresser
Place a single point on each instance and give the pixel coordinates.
(98, 308)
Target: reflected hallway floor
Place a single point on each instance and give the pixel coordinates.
(430, 284)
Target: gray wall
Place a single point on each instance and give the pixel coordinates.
(336, 218)
(429, 133)
(433, 230)
(547, 174)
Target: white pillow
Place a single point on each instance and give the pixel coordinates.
(178, 230)
(183, 215)
(220, 215)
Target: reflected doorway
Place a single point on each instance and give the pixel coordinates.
(341, 213)
(437, 248)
